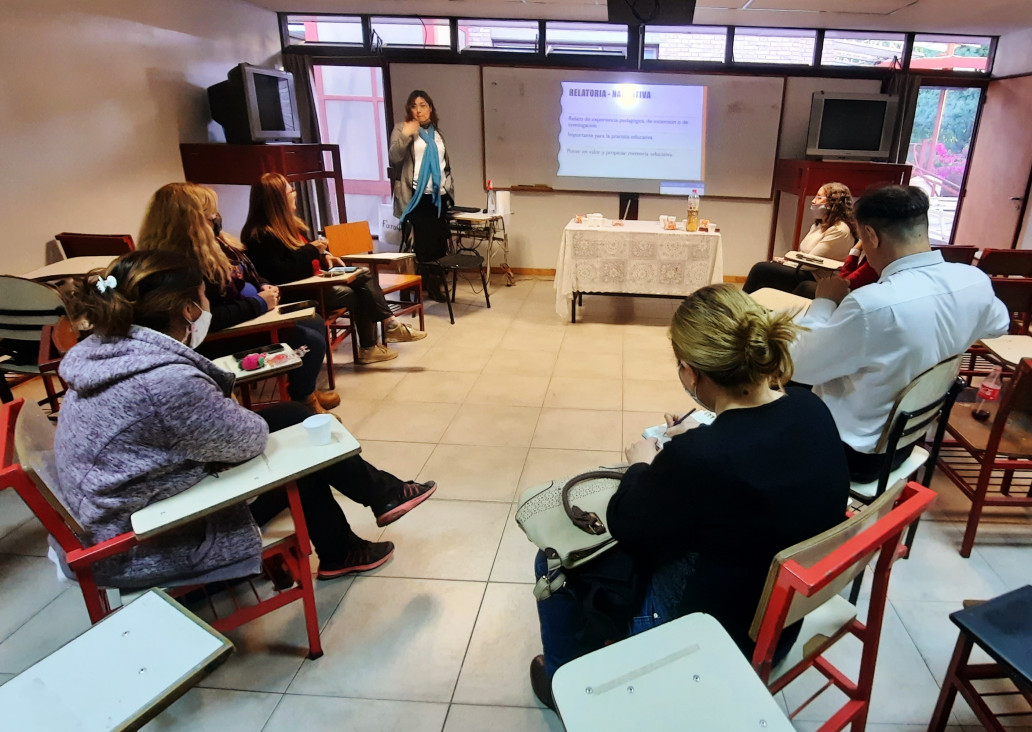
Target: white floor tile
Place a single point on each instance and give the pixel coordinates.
(515, 559)
(404, 459)
(216, 710)
(29, 538)
(298, 712)
(13, 511)
(29, 585)
(505, 639)
(395, 638)
(478, 473)
(463, 718)
(54, 625)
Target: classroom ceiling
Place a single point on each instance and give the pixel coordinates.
(993, 17)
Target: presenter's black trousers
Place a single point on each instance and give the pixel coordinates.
(429, 230)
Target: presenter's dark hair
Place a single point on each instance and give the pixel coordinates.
(900, 212)
(412, 100)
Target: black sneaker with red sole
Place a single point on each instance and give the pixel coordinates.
(361, 556)
(410, 496)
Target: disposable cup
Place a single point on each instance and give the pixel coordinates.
(318, 428)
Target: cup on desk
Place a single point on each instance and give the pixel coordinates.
(318, 428)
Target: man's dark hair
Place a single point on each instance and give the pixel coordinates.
(899, 212)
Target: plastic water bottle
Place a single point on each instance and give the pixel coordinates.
(988, 394)
(691, 222)
(491, 204)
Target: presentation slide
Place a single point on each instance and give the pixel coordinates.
(644, 131)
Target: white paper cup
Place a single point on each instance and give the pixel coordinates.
(318, 428)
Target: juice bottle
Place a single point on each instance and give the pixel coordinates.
(691, 222)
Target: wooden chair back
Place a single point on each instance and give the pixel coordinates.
(94, 245)
(1016, 294)
(350, 238)
(919, 404)
(956, 253)
(27, 307)
(1006, 262)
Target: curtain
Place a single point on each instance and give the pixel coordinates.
(313, 199)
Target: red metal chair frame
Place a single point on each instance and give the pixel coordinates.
(884, 537)
(294, 550)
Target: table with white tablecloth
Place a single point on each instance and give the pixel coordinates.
(637, 258)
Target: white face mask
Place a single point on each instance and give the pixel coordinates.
(199, 329)
(818, 210)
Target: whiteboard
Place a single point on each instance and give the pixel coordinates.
(521, 129)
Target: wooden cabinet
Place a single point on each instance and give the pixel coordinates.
(243, 165)
(803, 178)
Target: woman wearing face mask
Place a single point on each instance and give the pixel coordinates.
(184, 218)
(147, 417)
(423, 189)
(832, 235)
(703, 518)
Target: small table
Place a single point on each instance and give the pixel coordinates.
(73, 267)
(244, 379)
(685, 674)
(119, 674)
(271, 321)
(288, 455)
(779, 301)
(636, 258)
(1009, 348)
(484, 228)
(813, 262)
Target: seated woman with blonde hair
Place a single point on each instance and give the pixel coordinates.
(702, 518)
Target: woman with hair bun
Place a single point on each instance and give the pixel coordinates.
(702, 518)
(147, 417)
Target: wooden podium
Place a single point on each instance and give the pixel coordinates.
(243, 165)
(803, 178)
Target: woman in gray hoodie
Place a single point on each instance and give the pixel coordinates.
(147, 417)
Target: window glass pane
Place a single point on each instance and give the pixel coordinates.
(939, 147)
(418, 32)
(677, 43)
(498, 35)
(345, 81)
(365, 208)
(774, 46)
(846, 48)
(589, 38)
(352, 125)
(325, 29)
(957, 53)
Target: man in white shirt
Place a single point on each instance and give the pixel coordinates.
(863, 347)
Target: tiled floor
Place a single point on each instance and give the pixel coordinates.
(440, 637)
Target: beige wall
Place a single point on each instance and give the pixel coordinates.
(94, 100)
(1014, 54)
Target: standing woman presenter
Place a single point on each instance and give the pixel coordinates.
(423, 186)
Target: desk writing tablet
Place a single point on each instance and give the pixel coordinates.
(287, 456)
(683, 675)
(118, 674)
(322, 281)
(71, 267)
(779, 301)
(1010, 348)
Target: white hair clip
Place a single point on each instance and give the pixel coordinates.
(106, 283)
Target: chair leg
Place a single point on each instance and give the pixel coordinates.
(854, 591)
(483, 281)
(454, 284)
(948, 695)
(447, 296)
(909, 541)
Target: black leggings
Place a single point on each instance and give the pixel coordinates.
(776, 276)
(328, 528)
(367, 305)
(429, 230)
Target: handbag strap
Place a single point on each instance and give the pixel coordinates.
(586, 521)
(553, 579)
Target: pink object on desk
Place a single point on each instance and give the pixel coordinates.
(252, 362)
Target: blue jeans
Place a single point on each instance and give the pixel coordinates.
(564, 633)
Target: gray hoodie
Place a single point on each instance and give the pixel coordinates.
(143, 418)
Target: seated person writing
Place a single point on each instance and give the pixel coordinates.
(832, 234)
(702, 519)
(147, 417)
(859, 349)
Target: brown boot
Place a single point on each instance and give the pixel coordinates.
(312, 402)
(327, 399)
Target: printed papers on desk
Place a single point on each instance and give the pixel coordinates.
(660, 430)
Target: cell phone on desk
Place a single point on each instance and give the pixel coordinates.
(271, 348)
(293, 307)
(335, 271)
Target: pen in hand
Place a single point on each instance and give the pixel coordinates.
(683, 418)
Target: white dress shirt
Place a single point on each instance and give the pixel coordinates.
(862, 353)
(418, 149)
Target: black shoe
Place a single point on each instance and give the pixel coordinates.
(540, 683)
(410, 496)
(361, 556)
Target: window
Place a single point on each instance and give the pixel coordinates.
(677, 43)
(345, 30)
(774, 46)
(952, 53)
(939, 145)
(846, 48)
(519, 36)
(412, 32)
(350, 105)
(586, 38)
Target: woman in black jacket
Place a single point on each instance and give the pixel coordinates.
(276, 243)
(702, 519)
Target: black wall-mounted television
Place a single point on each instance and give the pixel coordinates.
(255, 105)
(857, 126)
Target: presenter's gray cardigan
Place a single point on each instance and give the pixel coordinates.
(402, 158)
(143, 418)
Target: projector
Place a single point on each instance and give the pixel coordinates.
(651, 12)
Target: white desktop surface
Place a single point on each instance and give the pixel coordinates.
(683, 675)
(131, 664)
(782, 302)
(287, 455)
(1010, 348)
(71, 267)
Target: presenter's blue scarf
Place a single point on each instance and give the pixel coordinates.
(429, 170)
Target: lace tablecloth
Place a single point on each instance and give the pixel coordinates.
(637, 258)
